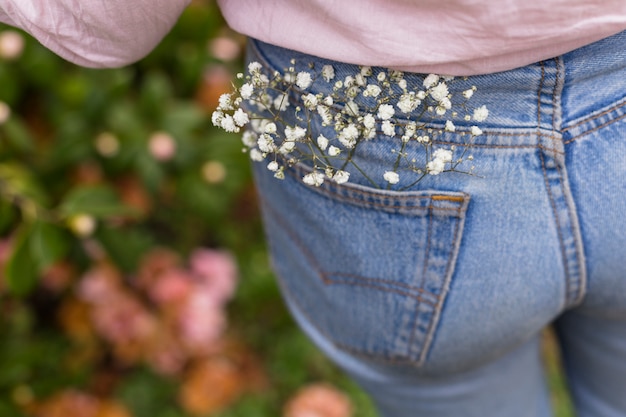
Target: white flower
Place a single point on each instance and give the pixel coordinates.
(294, 133)
(431, 80)
(225, 102)
(328, 72)
(228, 124)
(372, 90)
(381, 76)
(304, 80)
(217, 117)
(325, 114)
(273, 166)
(352, 108)
(256, 155)
(439, 92)
(314, 178)
(266, 143)
(246, 91)
(450, 127)
(391, 177)
(254, 67)
(389, 128)
(328, 100)
(369, 134)
(408, 102)
(322, 142)
(444, 155)
(468, 93)
(240, 117)
(349, 135)
(280, 174)
(249, 138)
(481, 113)
(334, 151)
(435, 167)
(341, 177)
(286, 147)
(369, 121)
(385, 111)
(310, 101)
(409, 131)
(270, 128)
(475, 131)
(366, 71)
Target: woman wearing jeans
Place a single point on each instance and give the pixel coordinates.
(433, 297)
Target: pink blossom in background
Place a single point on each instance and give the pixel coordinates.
(217, 270)
(171, 286)
(318, 400)
(123, 319)
(162, 146)
(98, 285)
(202, 321)
(11, 44)
(225, 48)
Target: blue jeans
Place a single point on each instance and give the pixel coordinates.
(433, 299)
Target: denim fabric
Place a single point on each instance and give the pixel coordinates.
(434, 298)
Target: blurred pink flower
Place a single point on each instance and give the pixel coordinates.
(225, 48)
(162, 146)
(98, 285)
(318, 400)
(218, 272)
(11, 44)
(123, 319)
(172, 285)
(202, 321)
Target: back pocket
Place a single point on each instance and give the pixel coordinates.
(369, 268)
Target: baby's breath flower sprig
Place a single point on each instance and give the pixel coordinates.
(356, 109)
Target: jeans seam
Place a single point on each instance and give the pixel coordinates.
(351, 199)
(423, 280)
(434, 320)
(596, 116)
(596, 128)
(547, 182)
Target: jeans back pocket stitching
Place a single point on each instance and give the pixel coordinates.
(418, 356)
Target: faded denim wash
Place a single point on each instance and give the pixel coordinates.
(433, 299)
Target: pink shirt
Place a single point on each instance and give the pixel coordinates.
(456, 37)
(95, 33)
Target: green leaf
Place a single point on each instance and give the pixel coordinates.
(18, 135)
(98, 201)
(19, 182)
(21, 268)
(47, 244)
(125, 246)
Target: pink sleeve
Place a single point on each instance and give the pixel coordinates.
(95, 33)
